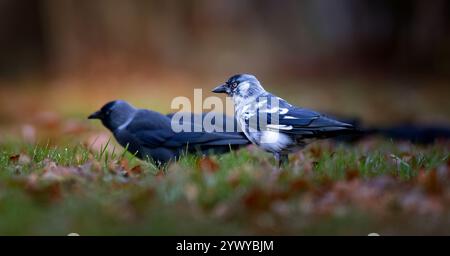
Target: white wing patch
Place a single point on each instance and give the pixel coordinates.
(279, 126)
(289, 117)
(261, 103)
(270, 110)
(275, 109)
(283, 111)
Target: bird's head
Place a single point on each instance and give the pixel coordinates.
(241, 85)
(114, 114)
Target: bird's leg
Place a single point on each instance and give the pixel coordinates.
(282, 159)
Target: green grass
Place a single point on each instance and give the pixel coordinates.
(372, 186)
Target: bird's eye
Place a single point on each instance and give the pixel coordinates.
(234, 85)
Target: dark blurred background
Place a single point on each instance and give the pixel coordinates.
(292, 38)
(380, 60)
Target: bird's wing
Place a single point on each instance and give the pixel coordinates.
(152, 129)
(305, 122)
(215, 138)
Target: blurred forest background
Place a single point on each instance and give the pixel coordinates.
(382, 60)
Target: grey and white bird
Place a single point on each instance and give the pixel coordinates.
(274, 124)
(149, 134)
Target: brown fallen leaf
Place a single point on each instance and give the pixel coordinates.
(256, 199)
(299, 185)
(206, 164)
(54, 172)
(60, 173)
(21, 159)
(14, 158)
(124, 163)
(316, 151)
(137, 170)
(351, 174)
(429, 181)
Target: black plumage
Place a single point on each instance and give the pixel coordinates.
(149, 134)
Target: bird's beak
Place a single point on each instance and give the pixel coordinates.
(220, 89)
(95, 115)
